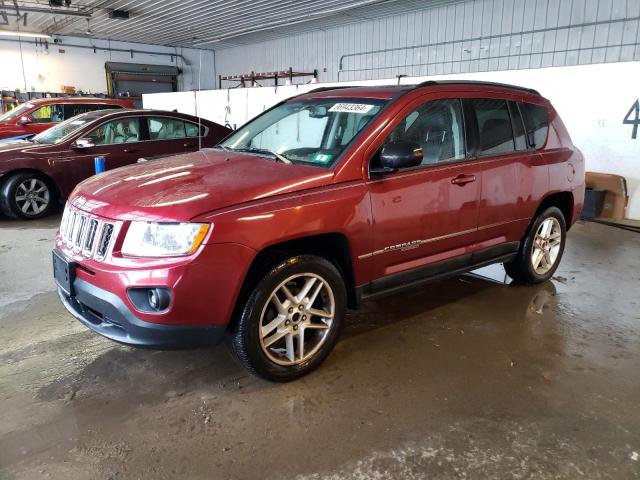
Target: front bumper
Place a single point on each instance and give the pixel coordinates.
(106, 314)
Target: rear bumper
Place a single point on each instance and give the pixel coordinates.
(106, 314)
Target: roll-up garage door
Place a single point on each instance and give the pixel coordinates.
(134, 79)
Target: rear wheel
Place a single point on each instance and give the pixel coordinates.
(292, 319)
(540, 252)
(27, 196)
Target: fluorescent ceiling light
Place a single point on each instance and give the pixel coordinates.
(9, 33)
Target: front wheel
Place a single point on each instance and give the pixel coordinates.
(27, 196)
(540, 252)
(292, 319)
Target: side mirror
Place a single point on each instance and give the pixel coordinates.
(83, 143)
(24, 120)
(395, 156)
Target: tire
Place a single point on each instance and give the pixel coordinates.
(540, 253)
(266, 336)
(27, 196)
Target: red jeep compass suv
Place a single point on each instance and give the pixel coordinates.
(326, 199)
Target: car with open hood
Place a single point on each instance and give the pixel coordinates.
(325, 200)
(37, 172)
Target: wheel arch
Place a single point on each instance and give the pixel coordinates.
(56, 190)
(332, 246)
(564, 201)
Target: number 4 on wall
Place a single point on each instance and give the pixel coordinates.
(633, 118)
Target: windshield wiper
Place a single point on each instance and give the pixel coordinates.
(265, 151)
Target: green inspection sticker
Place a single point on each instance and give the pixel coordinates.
(321, 157)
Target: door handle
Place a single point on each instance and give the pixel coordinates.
(130, 150)
(187, 145)
(463, 179)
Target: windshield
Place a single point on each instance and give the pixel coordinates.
(308, 131)
(57, 133)
(16, 112)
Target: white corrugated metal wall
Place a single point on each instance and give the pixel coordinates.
(467, 36)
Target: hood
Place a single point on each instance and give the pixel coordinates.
(185, 186)
(10, 145)
(14, 153)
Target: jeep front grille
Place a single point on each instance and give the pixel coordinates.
(82, 232)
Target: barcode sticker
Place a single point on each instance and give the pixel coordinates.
(351, 107)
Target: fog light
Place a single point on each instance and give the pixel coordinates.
(159, 298)
(150, 299)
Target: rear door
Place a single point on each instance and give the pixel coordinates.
(169, 135)
(508, 168)
(425, 218)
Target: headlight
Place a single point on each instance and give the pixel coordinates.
(148, 239)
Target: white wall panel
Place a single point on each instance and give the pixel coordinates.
(594, 121)
(459, 37)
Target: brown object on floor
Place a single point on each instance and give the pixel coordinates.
(616, 198)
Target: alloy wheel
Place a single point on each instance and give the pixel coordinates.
(32, 196)
(296, 319)
(546, 246)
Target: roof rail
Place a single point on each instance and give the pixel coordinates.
(431, 83)
(324, 89)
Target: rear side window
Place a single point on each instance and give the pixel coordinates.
(536, 121)
(165, 128)
(191, 129)
(494, 126)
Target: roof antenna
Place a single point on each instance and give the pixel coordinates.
(195, 98)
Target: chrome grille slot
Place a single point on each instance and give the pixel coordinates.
(72, 225)
(77, 239)
(89, 239)
(86, 234)
(105, 239)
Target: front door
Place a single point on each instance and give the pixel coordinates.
(119, 141)
(425, 218)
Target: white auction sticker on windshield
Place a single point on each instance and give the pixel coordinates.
(351, 107)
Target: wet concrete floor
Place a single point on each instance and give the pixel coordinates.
(465, 378)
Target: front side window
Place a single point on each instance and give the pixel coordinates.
(437, 127)
(122, 130)
(536, 121)
(58, 132)
(494, 126)
(306, 131)
(48, 114)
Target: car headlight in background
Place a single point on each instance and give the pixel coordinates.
(150, 239)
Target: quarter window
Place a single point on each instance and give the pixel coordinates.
(437, 127)
(124, 130)
(536, 121)
(494, 126)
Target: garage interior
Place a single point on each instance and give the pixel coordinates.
(468, 377)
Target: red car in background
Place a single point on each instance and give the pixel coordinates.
(35, 116)
(36, 172)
